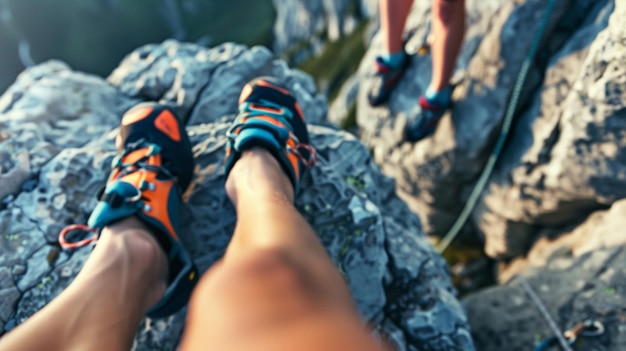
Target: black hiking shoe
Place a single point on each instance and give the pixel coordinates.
(386, 79)
(426, 121)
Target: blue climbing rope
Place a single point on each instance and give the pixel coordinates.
(504, 133)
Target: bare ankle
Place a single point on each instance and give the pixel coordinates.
(129, 250)
(258, 173)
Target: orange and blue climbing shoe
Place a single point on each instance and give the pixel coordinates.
(271, 118)
(147, 180)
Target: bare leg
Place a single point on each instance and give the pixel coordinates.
(448, 30)
(276, 289)
(393, 15)
(124, 276)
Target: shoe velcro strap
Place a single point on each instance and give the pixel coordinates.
(280, 133)
(114, 199)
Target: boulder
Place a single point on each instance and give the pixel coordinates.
(200, 83)
(302, 27)
(38, 119)
(431, 175)
(565, 157)
(578, 274)
(436, 175)
(600, 230)
(399, 283)
(573, 290)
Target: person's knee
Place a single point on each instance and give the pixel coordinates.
(265, 300)
(266, 270)
(273, 267)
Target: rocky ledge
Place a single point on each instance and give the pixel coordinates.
(552, 210)
(561, 160)
(56, 145)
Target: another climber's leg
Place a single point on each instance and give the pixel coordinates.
(448, 31)
(393, 15)
(393, 61)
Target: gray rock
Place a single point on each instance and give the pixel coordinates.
(572, 290)
(8, 295)
(37, 267)
(172, 72)
(67, 187)
(436, 175)
(18, 269)
(303, 26)
(199, 83)
(50, 284)
(216, 99)
(398, 282)
(565, 157)
(430, 175)
(19, 237)
(601, 230)
(38, 118)
(345, 103)
(17, 171)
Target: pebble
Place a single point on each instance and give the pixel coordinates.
(66, 272)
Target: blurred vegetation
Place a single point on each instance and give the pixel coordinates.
(338, 61)
(94, 35)
(10, 63)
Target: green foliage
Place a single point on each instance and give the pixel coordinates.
(350, 121)
(289, 54)
(354, 9)
(10, 62)
(356, 182)
(242, 21)
(338, 62)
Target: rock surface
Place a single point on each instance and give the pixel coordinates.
(399, 283)
(38, 117)
(201, 83)
(564, 157)
(601, 230)
(303, 26)
(563, 161)
(573, 291)
(578, 274)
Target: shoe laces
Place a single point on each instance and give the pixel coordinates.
(142, 163)
(126, 169)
